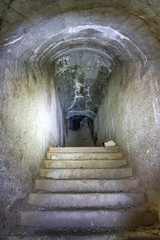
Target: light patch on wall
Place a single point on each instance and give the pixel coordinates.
(43, 122)
(155, 88)
(156, 110)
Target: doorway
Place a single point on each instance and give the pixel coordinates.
(79, 131)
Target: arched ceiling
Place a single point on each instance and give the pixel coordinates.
(79, 43)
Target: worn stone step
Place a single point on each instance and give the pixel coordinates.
(88, 219)
(86, 200)
(100, 236)
(84, 164)
(86, 185)
(84, 156)
(83, 149)
(116, 173)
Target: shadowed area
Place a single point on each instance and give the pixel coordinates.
(77, 73)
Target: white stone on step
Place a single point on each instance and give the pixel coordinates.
(110, 144)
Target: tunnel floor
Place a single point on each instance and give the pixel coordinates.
(81, 137)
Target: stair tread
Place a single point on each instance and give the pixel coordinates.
(86, 193)
(86, 173)
(136, 236)
(138, 209)
(86, 200)
(82, 219)
(85, 185)
(84, 163)
(79, 156)
(84, 149)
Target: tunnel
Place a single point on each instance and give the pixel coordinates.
(80, 132)
(84, 70)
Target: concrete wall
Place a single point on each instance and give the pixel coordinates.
(130, 115)
(32, 34)
(29, 122)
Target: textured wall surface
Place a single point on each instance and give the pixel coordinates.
(30, 123)
(130, 115)
(39, 86)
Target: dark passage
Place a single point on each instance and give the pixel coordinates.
(74, 122)
(80, 131)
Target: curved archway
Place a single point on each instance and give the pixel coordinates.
(64, 58)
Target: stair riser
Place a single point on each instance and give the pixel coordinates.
(84, 164)
(117, 236)
(86, 173)
(84, 156)
(141, 236)
(87, 219)
(86, 185)
(87, 200)
(84, 149)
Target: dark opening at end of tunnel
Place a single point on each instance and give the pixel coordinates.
(80, 131)
(75, 122)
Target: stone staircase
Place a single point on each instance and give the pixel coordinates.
(86, 188)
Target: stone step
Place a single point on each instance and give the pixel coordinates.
(86, 185)
(116, 173)
(84, 156)
(84, 164)
(86, 200)
(83, 149)
(88, 219)
(100, 236)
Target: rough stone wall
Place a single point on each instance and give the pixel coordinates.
(35, 33)
(130, 115)
(29, 122)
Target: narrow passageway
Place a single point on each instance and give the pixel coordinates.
(76, 74)
(80, 137)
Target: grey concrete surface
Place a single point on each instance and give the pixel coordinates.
(86, 173)
(84, 219)
(64, 58)
(87, 200)
(84, 164)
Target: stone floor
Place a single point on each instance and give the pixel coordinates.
(142, 233)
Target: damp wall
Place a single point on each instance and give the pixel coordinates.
(130, 115)
(30, 121)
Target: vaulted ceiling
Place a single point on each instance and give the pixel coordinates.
(79, 43)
